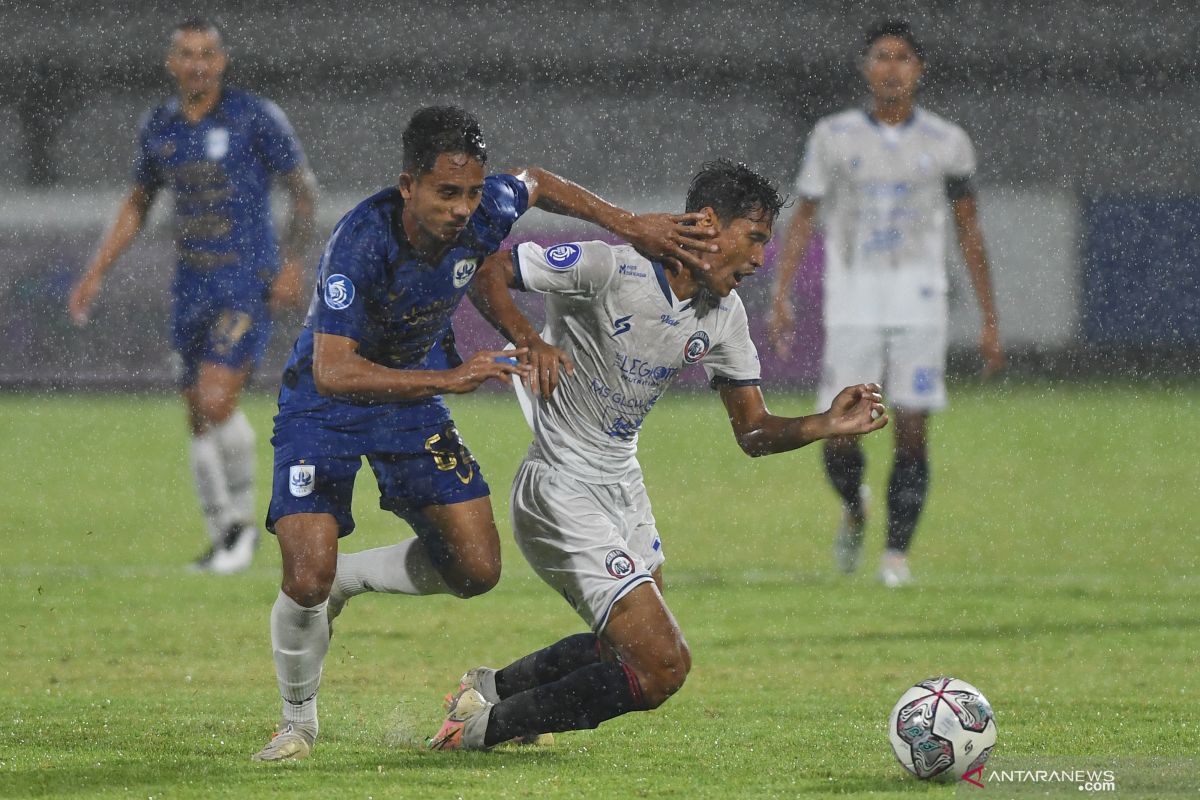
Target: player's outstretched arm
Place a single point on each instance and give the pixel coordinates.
(970, 241)
(131, 215)
(338, 370)
(856, 410)
(287, 290)
(676, 237)
(782, 322)
(490, 294)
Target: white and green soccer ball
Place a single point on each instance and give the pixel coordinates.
(942, 728)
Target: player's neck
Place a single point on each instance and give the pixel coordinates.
(681, 281)
(892, 112)
(428, 248)
(197, 106)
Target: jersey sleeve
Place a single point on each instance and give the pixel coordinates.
(733, 361)
(813, 181)
(505, 199)
(147, 168)
(574, 269)
(962, 156)
(276, 140)
(349, 276)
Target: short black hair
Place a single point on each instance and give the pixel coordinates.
(434, 130)
(893, 27)
(733, 191)
(201, 24)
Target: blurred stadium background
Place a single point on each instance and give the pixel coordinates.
(1083, 114)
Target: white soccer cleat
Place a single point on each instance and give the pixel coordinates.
(893, 569)
(848, 541)
(465, 725)
(481, 679)
(235, 551)
(291, 742)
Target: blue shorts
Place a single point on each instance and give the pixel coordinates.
(219, 330)
(439, 470)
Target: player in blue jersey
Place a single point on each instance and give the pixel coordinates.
(219, 149)
(365, 379)
(580, 512)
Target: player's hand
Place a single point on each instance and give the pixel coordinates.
(781, 327)
(993, 354)
(670, 237)
(499, 365)
(287, 290)
(79, 305)
(857, 410)
(545, 362)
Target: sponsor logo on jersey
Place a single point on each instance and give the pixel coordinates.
(563, 256)
(631, 270)
(339, 292)
(618, 563)
(621, 325)
(696, 347)
(464, 270)
(216, 144)
(667, 319)
(301, 479)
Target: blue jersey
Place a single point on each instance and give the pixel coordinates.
(372, 288)
(220, 169)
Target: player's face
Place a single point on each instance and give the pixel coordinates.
(892, 69)
(743, 244)
(443, 199)
(197, 61)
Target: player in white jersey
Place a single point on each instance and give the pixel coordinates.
(881, 177)
(624, 327)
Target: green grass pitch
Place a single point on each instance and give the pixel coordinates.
(1058, 567)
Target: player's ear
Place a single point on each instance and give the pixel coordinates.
(710, 219)
(406, 183)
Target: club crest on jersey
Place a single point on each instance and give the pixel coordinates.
(563, 256)
(696, 347)
(618, 563)
(339, 292)
(301, 479)
(216, 144)
(464, 270)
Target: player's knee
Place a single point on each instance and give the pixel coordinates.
(474, 578)
(309, 587)
(666, 675)
(214, 407)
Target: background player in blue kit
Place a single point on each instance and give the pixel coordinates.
(219, 149)
(365, 379)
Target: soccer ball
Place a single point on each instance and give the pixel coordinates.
(942, 728)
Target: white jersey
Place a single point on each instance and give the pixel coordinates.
(884, 209)
(614, 313)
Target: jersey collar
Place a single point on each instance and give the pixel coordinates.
(661, 274)
(875, 122)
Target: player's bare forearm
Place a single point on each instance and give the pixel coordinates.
(490, 293)
(795, 245)
(970, 241)
(856, 410)
(302, 186)
(131, 215)
(339, 371)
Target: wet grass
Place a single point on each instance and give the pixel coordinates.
(1058, 567)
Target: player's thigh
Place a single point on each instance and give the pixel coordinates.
(916, 368)
(237, 335)
(644, 633)
(308, 546)
(462, 542)
(576, 538)
(218, 387)
(852, 354)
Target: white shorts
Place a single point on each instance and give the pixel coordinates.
(593, 543)
(909, 362)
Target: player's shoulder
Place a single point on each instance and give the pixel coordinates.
(936, 126)
(160, 115)
(373, 215)
(847, 121)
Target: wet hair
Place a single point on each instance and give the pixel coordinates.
(198, 24)
(893, 27)
(733, 191)
(441, 129)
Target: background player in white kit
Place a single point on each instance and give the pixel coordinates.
(882, 176)
(579, 507)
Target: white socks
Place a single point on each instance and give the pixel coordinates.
(402, 568)
(299, 639)
(222, 461)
